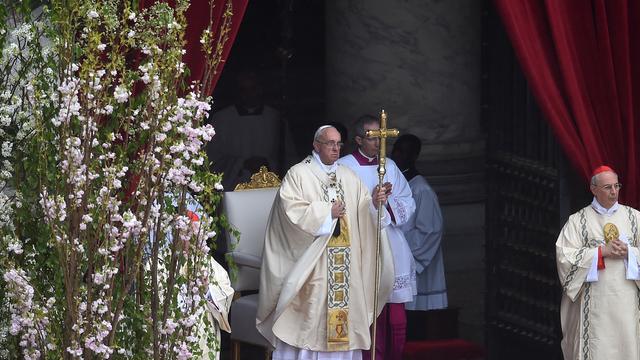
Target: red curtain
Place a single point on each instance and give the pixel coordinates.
(224, 30)
(223, 17)
(578, 57)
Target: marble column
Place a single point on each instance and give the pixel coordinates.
(420, 60)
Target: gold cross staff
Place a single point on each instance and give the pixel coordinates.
(383, 133)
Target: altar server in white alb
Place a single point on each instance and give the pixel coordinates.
(318, 270)
(424, 230)
(392, 323)
(597, 257)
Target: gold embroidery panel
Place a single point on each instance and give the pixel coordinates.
(339, 266)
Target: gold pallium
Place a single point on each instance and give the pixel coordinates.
(262, 179)
(610, 232)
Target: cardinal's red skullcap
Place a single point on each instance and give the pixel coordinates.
(601, 169)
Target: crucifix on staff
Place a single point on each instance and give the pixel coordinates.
(382, 133)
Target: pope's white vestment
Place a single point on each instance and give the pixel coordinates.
(600, 309)
(316, 287)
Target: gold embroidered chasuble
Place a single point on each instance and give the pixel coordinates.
(316, 292)
(600, 319)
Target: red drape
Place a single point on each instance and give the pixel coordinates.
(223, 17)
(578, 57)
(198, 19)
(209, 13)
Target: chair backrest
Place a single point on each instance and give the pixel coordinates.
(247, 211)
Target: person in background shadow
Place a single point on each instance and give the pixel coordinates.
(423, 231)
(344, 133)
(249, 134)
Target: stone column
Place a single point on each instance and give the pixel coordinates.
(420, 60)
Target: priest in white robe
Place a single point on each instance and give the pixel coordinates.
(597, 257)
(317, 279)
(392, 323)
(423, 231)
(250, 134)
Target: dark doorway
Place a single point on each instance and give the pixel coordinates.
(531, 190)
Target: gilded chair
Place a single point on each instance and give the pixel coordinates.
(247, 209)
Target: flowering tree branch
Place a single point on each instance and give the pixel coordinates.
(102, 168)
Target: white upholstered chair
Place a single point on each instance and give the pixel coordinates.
(247, 209)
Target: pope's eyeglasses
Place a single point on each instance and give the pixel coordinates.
(331, 144)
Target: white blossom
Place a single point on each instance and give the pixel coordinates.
(7, 146)
(15, 247)
(94, 142)
(121, 94)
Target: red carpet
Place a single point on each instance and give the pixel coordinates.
(450, 349)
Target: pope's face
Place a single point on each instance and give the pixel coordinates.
(328, 146)
(369, 146)
(606, 189)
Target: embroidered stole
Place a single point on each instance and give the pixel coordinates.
(339, 262)
(338, 268)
